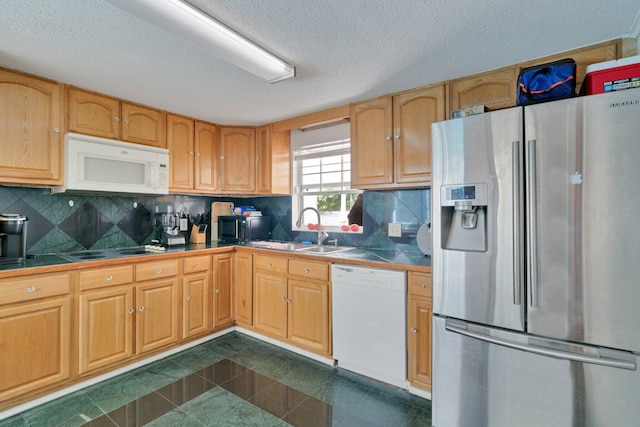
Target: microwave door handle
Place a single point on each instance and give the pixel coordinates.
(153, 170)
(237, 229)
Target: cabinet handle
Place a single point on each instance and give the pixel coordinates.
(424, 285)
(141, 308)
(269, 265)
(188, 297)
(109, 277)
(56, 130)
(414, 330)
(31, 289)
(197, 154)
(288, 300)
(191, 153)
(197, 264)
(159, 271)
(217, 291)
(306, 270)
(130, 311)
(126, 121)
(221, 157)
(283, 298)
(397, 136)
(388, 138)
(116, 118)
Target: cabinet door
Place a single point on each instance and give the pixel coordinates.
(243, 287)
(206, 157)
(413, 114)
(143, 125)
(238, 160)
(222, 289)
(419, 318)
(34, 346)
(181, 152)
(105, 327)
(31, 131)
(371, 143)
(495, 89)
(157, 314)
(308, 305)
(196, 289)
(263, 149)
(94, 114)
(270, 304)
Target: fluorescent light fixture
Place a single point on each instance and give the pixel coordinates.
(196, 26)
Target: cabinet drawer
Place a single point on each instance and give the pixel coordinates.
(107, 276)
(196, 263)
(156, 270)
(309, 269)
(420, 284)
(34, 287)
(271, 264)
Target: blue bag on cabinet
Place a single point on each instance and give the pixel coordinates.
(547, 82)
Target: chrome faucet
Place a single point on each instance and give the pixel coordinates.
(322, 235)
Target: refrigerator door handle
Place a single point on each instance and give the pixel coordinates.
(532, 271)
(517, 224)
(597, 360)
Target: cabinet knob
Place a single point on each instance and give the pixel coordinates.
(283, 298)
(217, 291)
(414, 330)
(159, 270)
(56, 130)
(130, 311)
(141, 308)
(388, 138)
(116, 118)
(197, 154)
(197, 264)
(269, 265)
(288, 300)
(221, 157)
(31, 289)
(126, 121)
(109, 277)
(397, 136)
(424, 285)
(306, 270)
(188, 297)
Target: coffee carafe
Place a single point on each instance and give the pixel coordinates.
(13, 238)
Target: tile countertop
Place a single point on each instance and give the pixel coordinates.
(384, 257)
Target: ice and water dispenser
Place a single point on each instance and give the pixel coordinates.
(464, 217)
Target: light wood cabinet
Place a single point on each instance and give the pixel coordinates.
(263, 163)
(497, 89)
(35, 333)
(419, 325)
(222, 289)
(99, 115)
(237, 160)
(391, 139)
(291, 301)
(196, 296)
(243, 288)
(31, 112)
(193, 155)
(157, 314)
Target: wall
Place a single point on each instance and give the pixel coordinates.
(98, 222)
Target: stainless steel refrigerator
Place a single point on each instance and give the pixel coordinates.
(536, 265)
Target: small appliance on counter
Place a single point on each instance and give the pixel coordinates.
(234, 228)
(219, 209)
(13, 238)
(171, 235)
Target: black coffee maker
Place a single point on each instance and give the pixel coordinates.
(13, 238)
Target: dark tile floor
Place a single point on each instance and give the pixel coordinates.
(234, 380)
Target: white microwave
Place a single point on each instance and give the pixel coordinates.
(93, 164)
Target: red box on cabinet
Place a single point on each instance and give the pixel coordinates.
(612, 75)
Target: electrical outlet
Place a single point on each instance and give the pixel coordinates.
(395, 229)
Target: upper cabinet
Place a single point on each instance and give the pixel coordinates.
(180, 142)
(31, 113)
(273, 170)
(238, 160)
(497, 88)
(107, 117)
(391, 139)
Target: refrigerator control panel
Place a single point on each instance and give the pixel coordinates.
(474, 193)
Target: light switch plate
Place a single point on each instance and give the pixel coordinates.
(395, 229)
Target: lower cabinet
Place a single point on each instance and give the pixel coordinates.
(112, 305)
(291, 301)
(222, 289)
(35, 333)
(196, 295)
(243, 288)
(419, 324)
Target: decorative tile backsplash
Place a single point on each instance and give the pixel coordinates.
(73, 222)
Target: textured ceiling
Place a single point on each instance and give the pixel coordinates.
(343, 50)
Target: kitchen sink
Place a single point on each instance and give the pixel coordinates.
(299, 247)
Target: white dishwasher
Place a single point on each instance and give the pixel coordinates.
(369, 322)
